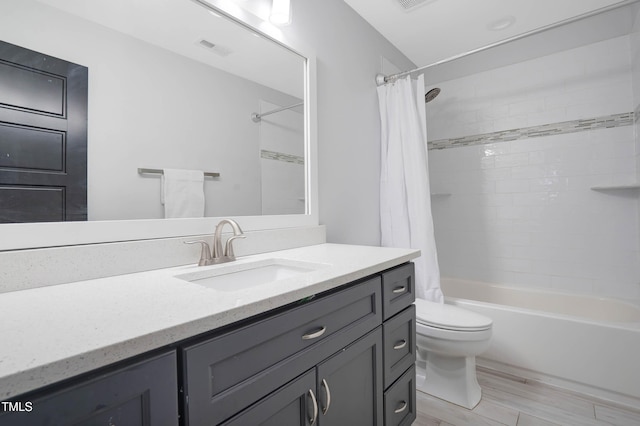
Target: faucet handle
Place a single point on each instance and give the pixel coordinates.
(228, 247)
(205, 253)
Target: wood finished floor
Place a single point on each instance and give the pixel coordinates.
(509, 400)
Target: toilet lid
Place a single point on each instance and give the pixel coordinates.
(450, 317)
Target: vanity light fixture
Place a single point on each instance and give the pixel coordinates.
(280, 12)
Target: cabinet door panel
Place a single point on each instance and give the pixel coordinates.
(350, 384)
(141, 394)
(291, 405)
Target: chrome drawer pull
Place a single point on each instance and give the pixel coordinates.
(313, 419)
(400, 289)
(314, 334)
(401, 409)
(325, 385)
(400, 344)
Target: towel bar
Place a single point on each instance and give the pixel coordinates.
(159, 171)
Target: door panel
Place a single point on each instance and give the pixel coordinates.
(19, 143)
(31, 89)
(291, 405)
(350, 384)
(43, 137)
(140, 394)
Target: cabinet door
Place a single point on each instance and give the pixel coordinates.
(295, 404)
(350, 384)
(142, 394)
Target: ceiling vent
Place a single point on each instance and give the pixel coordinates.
(215, 48)
(410, 4)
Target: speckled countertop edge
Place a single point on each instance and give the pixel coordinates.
(53, 333)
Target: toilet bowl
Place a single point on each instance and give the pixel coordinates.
(448, 339)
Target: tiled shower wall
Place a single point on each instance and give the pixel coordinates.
(517, 207)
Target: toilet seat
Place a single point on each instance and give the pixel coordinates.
(449, 317)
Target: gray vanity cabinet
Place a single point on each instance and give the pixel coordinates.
(345, 389)
(226, 374)
(345, 358)
(140, 394)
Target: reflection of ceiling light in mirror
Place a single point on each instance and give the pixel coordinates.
(502, 23)
(280, 12)
(229, 7)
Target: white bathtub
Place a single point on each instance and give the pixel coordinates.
(587, 344)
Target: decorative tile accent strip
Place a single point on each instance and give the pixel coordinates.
(607, 121)
(280, 156)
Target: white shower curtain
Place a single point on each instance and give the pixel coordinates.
(405, 200)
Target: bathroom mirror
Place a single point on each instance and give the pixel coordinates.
(175, 84)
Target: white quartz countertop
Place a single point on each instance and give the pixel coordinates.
(53, 333)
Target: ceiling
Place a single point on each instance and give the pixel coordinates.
(435, 30)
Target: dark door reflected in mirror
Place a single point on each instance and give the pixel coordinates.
(43, 137)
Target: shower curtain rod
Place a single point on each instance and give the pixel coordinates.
(384, 79)
(257, 117)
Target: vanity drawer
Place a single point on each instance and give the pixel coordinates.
(399, 344)
(398, 289)
(227, 373)
(400, 400)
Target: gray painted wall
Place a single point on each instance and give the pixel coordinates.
(349, 54)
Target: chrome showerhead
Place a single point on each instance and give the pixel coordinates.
(431, 94)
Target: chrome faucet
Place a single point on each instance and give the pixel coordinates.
(219, 256)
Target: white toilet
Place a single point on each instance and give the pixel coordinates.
(448, 339)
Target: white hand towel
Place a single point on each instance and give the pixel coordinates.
(182, 193)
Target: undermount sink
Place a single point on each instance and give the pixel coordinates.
(239, 276)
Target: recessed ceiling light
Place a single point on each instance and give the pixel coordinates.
(502, 23)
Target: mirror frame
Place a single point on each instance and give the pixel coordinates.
(17, 236)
